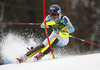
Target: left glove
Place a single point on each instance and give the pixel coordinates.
(64, 32)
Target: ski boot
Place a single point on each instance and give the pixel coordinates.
(21, 59)
(38, 56)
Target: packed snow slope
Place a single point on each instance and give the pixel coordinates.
(82, 62)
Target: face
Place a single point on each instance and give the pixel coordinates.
(54, 16)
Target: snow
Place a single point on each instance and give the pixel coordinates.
(82, 62)
(14, 46)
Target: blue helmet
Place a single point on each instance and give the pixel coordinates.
(55, 9)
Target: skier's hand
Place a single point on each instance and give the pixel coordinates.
(50, 23)
(64, 32)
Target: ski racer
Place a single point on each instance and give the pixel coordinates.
(61, 26)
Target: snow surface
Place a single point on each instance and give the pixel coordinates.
(14, 46)
(82, 62)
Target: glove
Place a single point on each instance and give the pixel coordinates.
(49, 24)
(64, 32)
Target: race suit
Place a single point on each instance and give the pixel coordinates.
(61, 22)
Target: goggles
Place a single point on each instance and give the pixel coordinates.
(53, 14)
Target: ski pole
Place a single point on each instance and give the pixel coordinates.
(46, 30)
(23, 23)
(83, 40)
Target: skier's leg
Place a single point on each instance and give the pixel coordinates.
(46, 49)
(30, 53)
(54, 42)
(38, 48)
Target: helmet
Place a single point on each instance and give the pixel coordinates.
(55, 9)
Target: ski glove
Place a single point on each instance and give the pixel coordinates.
(64, 32)
(49, 24)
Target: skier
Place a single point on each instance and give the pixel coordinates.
(61, 26)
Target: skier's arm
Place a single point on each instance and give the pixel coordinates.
(43, 26)
(47, 19)
(68, 24)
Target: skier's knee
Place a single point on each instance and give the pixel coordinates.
(47, 48)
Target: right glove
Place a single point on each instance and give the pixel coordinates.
(49, 24)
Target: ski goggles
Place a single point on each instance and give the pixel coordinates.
(53, 14)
